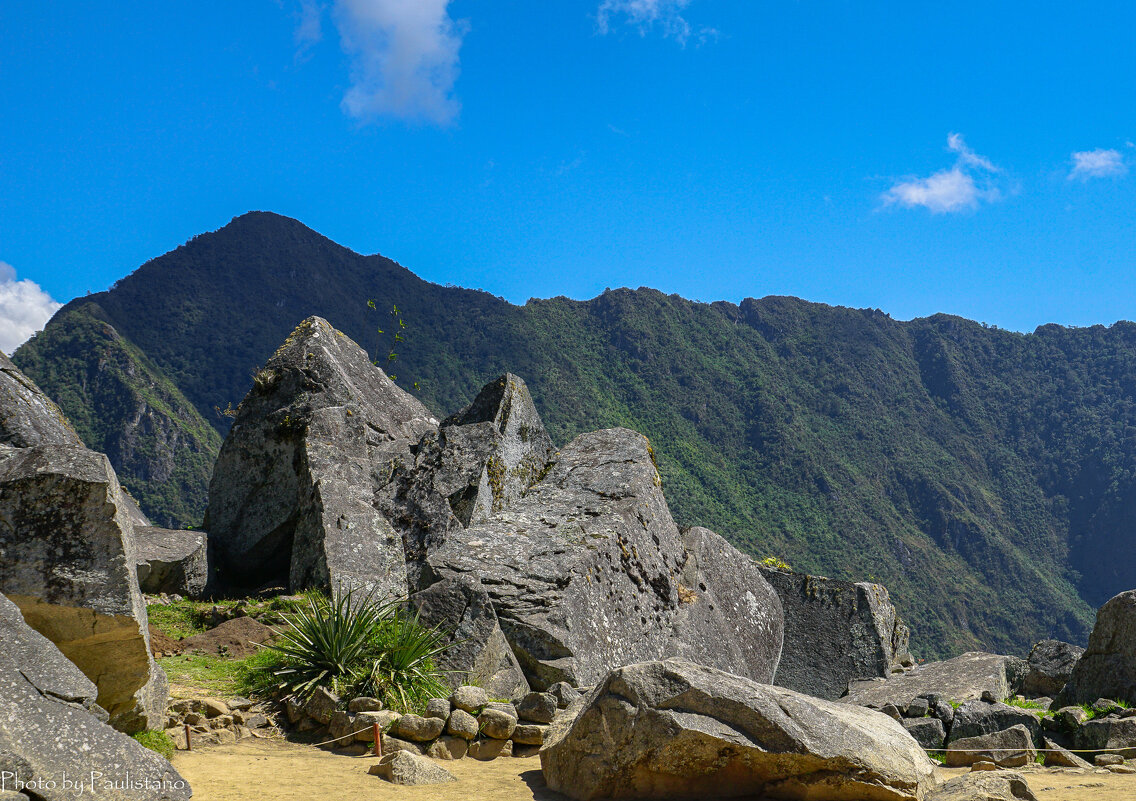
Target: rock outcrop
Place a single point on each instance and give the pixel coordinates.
(976, 718)
(675, 730)
(479, 462)
(963, 678)
(292, 494)
(480, 653)
(172, 561)
(1007, 748)
(836, 632)
(1051, 664)
(1107, 668)
(51, 727)
(982, 786)
(587, 571)
(27, 416)
(67, 560)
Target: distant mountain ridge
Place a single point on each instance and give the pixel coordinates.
(988, 478)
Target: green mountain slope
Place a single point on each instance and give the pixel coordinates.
(121, 403)
(985, 477)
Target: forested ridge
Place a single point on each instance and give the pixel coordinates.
(985, 477)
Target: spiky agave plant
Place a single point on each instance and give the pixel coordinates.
(403, 672)
(328, 642)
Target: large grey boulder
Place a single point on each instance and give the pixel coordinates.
(836, 632)
(1004, 785)
(963, 678)
(67, 560)
(1116, 735)
(675, 730)
(50, 726)
(27, 416)
(1051, 664)
(479, 462)
(172, 561)
(1006, 748)
(292, 493)
(975, 718)
(480, 654)
(1107, 668)
(587, 571)
(407, 768)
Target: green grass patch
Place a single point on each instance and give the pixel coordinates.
(1032, 706)
(938, 756)
(157, 741)
(177, 620)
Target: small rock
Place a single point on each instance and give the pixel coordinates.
(256, 721)
(928, 732)
(391, 744)
(1058, 757)
(462, 724)
(1105, 760)
(537, 707)
(983, 765)
(353, 750)
(194, 718)
(503, 706)
(564, 693)
(240, 704)
(342, 728)
(294, 710)
(1069, 718)
(364, 704)
(321, 704)
(918, 708)
(989, 697)
(214, 707)
(365, 724)
(486, 750)
(1121, 769)
(438, 708)
(496, 724)
(418, 728)
(447, 748)
(406, 768)
(529, 734)
(469, 699)
(892, 711)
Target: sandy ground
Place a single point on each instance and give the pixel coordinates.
(254, 770)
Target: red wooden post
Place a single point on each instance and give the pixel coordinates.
(378, 741)
(188, 744)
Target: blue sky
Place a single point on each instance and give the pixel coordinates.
(912, 157)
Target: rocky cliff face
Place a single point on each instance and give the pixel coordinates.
(333, 476)
(122, 405)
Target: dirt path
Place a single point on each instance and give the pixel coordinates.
(254, 770)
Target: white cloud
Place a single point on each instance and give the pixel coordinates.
(24, 308)
(404, 57)
(647, 14)
(964, 186)
(1099, 163)
(309, 24)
